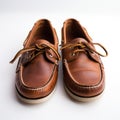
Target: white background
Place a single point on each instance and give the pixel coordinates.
(102, 20)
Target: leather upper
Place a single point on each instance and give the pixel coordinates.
(37, 69)
(82, 67)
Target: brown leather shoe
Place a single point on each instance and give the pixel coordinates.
(37, 69)
(82, 67)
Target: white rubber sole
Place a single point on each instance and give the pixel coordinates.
(82, 99)
(34, 101)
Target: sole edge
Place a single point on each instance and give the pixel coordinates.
(82, 99)
(34, 101)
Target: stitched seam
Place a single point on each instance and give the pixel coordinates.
(32, 89)
(82, 86)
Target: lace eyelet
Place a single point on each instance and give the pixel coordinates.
(71, 48)
(50, 55)
(73, 54)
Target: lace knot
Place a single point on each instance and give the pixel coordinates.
(84, 47)
(34, 51)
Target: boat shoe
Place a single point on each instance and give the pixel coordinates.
(37, 69)
(83, 71)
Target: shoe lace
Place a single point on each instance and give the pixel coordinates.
(84, 47)
(35, 51)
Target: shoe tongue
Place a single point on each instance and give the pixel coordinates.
(43, 41)
(92, 56)
(48, 52)
(79, 40)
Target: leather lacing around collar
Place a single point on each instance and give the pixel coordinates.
(84, 47)
(36, 50)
